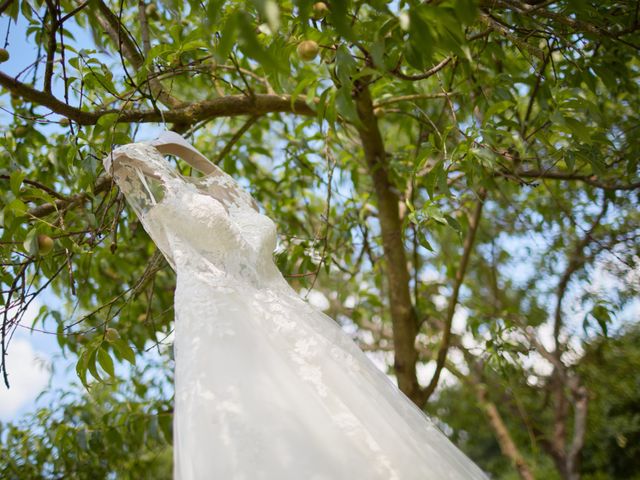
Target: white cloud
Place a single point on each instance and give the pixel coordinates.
(29, 373)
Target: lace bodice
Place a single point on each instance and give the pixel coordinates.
(209, 217)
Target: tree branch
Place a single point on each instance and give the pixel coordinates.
(505, 441)
(409, 98)
(236, 136)
(538, 8)
(112, 26)
(51, 45)
(144, 27)
(504, 31)
(592, 180)
(576, 25)
(228, 106)
(453, 301)
(125, 43)
(576, 260)
(580, 408)
(429, 73)
(102, 184)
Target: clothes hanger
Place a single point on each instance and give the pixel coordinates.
(172, 143)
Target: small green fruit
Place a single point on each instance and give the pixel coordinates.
(320, 10)
(64, 122)
(151, 11)
(4, 55)
(45, 244)
(21, 131)
(378, 112)
(308, 50)
(111, 335)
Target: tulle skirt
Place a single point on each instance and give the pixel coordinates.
(268, 387)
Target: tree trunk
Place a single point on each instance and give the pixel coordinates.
(403, 315)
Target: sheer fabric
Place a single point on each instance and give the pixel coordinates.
(266, 386)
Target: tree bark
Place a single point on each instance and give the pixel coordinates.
(403, 315)
(507, 445)
(227, 106)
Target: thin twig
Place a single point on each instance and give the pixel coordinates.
(236, 136)
(453, 300)
(410, 98)
(429, 73)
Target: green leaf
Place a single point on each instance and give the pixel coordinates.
(602, 315)
(570, 160)
(442, 179)
(81, 366)
(419, 48)
(166, 426)
(436, 176)
(345, 66)
(14, 10)
(497, 108)
(433, 211)
(106, 121)
(227, 38)
(252, 48)
(340, 18)
(15, 180)
(466, 10)
(81, 439)
(16, 207)
(214, 9)
(106, 362)
(31, 242)
(158, 51)
(91, 362)
(345, 105)
(124, 350)
(453, 223)
(377, 53)
(422, 239)
(270, 11)
(579, 129)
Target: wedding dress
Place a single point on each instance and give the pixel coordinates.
(266, 386)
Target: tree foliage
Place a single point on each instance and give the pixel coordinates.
(459, 178)
(609, 367)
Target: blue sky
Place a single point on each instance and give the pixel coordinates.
(34, 360)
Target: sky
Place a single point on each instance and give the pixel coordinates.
(34, 362)
(33, 357)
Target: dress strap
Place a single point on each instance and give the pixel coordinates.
(172, 143)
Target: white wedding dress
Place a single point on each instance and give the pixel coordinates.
(266, 386)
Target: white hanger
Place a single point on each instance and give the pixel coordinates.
(172, 143)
